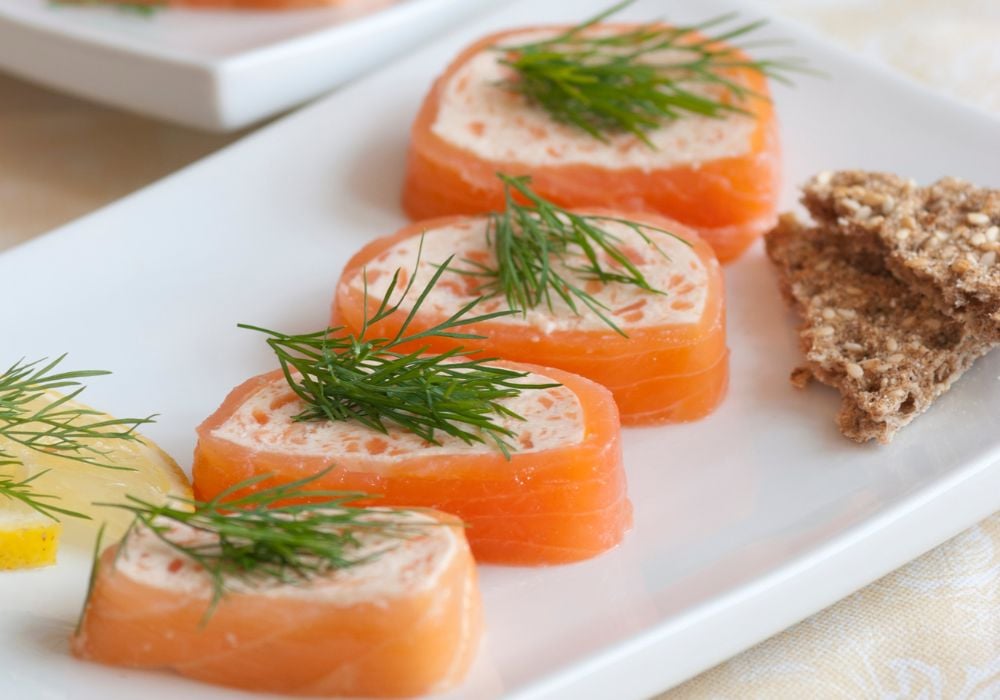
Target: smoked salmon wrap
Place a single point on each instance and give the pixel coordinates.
(403, 621)
(669, 363)
(559, 497)
(718, 175)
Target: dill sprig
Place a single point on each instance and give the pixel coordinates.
(289, 533)
(527, 239)
(346, 376)
(25, 492)
(95, 563)
(33, 416)
(623, 81)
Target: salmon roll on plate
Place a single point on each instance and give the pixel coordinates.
(319, 599)
(634, 302)
(630, 117)
(528, 457)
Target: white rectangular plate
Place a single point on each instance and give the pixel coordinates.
(213, 69)
(745, 522)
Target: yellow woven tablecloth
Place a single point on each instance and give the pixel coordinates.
(929, 630)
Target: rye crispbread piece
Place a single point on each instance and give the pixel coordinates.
(889, 350)
(942, 240)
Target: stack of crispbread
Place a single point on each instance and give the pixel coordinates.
(898, 287)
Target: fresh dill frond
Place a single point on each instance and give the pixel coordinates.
(341, 375)
(24, 492)
(635, 79)
(56, 427)
(94, 571)
(532, 242)
(289, 533)
(35, 417)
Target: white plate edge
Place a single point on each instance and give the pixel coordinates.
(846, 557)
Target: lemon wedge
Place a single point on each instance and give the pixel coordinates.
(27, 538)
(143, 471)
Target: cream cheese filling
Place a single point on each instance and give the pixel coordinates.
(477, 115)
(397, 566)
(553, 418)
(672, 267)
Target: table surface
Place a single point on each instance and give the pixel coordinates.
(930, 629)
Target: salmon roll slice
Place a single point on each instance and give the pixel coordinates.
(559, 497)
(669, 363)
(404, 619)
(717, 173)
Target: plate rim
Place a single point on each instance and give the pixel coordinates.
(222, 91)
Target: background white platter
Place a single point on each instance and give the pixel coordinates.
(210, 69)
(745, 522)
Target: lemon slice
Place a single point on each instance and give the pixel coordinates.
(147, 473)
(27, 538)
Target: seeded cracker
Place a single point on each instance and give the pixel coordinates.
(942, 240)
(887, 348)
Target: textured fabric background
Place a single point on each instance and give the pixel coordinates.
(953, 45)
(929, 630)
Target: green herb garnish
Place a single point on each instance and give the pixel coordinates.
(24, 492)
(34, 418)
(94, 570)
(345, 376)
(532, 242)
(269, 535)
(621, 81)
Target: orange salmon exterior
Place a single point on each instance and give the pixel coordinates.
(730, 201)
(664, 374)
(545, 507)
(291, 644)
